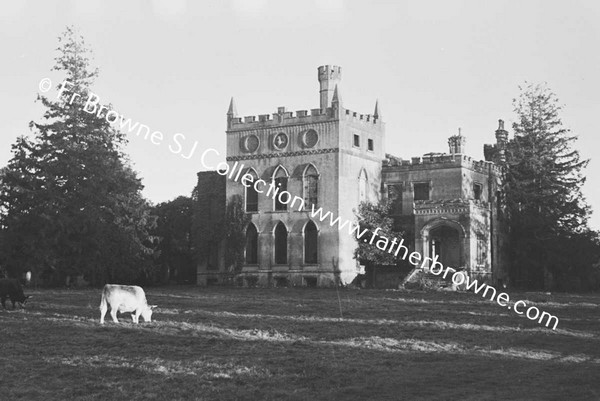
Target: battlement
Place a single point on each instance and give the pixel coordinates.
(440, 161)
(361, 117)
(283, 117)
(330, 108)
(330, 72)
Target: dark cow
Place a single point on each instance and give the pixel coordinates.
(11, 288)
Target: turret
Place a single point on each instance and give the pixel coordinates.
(231, 113)
(329, 77)
(501, 140)
(457, 144)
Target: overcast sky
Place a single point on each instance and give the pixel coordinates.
(434, 66)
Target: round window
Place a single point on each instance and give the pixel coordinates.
(251, 143)
(310, 138)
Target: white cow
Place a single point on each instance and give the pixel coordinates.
(125, 298)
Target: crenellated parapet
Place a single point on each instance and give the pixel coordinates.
(281, 118)
(434, 161)
(331, 109)
(284, 118)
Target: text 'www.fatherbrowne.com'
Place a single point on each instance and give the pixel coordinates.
(394, 247)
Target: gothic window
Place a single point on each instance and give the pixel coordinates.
(481, 250)
(280, 178)
(421, 191)
(477, 188)
(310, 243)
(363, 186)
(311, 186)
(395, 198)
(251, 245)
(281, 235)
(251, 194)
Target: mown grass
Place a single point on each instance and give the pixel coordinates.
(275, 344)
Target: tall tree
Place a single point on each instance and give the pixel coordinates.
(174, 232)
(543, 183)
(371, 217)
(70, 202)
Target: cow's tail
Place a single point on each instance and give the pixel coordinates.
(103, 304)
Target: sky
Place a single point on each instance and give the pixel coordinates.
(434, 66)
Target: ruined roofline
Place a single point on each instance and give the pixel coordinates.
(441, 161)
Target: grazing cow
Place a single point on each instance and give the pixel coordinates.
(125, 298)
(11, 288)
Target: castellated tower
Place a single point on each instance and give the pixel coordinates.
(330, 157)
(329, 78)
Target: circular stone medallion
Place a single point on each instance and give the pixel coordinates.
(280, 141)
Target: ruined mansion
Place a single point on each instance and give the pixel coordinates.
(448, 204)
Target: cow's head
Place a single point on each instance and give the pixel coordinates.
(147, 313)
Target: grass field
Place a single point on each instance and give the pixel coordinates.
(291, 344)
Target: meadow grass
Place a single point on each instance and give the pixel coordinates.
(292, 344)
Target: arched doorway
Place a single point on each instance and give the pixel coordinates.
(281, 238)
(251, 245)
(445, 239)
(310, 243)
(444, 242)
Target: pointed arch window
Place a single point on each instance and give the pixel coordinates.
(281, 235)
(310, 180)
(310, 243)
(481, 250)
(251, 193)
(251, 245)
(280, 178)
(363, 186)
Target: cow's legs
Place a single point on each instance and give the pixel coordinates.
(13, 302)
(113, 314)
(103, 310)
(137, 315)
(133, 317)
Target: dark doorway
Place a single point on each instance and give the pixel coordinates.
(280, 244)
(251, 245)
(310, 243)
(445, 244)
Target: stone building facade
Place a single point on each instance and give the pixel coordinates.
(452, 204)
(334, 158)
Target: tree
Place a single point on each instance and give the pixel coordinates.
(70, 203)
(174, 234)
(208, 231)
(370, 217)
(543, 181)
